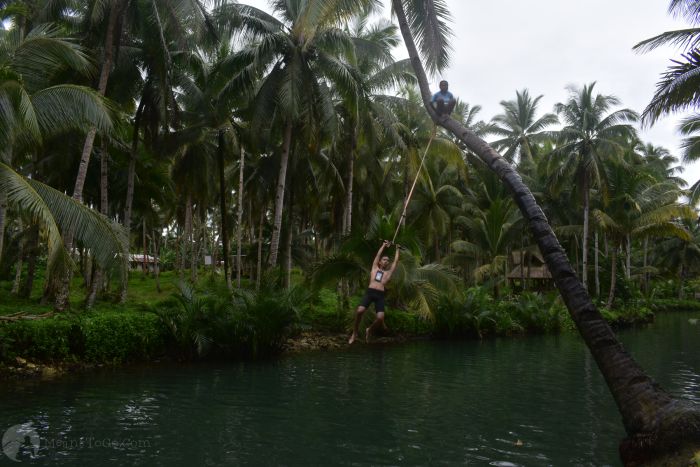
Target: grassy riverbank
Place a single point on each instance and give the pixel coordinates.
(206, 321)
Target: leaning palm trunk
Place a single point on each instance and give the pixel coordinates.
(655, 422)
(279, 197)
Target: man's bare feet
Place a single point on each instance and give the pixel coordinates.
(367, 335)
(352, 338)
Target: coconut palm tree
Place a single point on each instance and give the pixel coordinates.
(589, 137)
(638, 206)
(491, 224)
(302, 52)
(519, 128)
(681, 255)
(656, 423)
(57, 213)
(33, 106)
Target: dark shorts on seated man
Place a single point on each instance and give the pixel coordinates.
(376, 296)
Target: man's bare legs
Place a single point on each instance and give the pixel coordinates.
(358, 317)
(379, 321)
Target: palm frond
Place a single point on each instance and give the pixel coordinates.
(429, 23)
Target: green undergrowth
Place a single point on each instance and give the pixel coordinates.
(206, 320)
(95, 337)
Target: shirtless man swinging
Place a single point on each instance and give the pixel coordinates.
(380, 275)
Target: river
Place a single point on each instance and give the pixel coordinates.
(531, 401)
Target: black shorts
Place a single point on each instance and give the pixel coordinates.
(376, 296)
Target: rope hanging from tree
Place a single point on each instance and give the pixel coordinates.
(415, 180)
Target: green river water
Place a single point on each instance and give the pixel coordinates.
(531, 401)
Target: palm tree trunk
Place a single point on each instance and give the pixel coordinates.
(194, 244)
(258, 271)
(279, 196)
(18, 264)
(613, 278)
(646, 274)
(128, 205)
(628, 259)
(239, 230)
(584, 240)
(145, 250)
(650, 415)
(3, 217)
(97, 280)
(597, 267)
(62, 281)
(522, 262)
(222, 207)
(114, 14)
(288, 237)
(32, 252)
(347, 218)
(186, 239)
(156, 265)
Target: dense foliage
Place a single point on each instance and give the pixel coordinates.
(222, 140)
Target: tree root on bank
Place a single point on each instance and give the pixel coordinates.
(20, 315)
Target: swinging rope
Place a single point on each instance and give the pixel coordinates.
(410, 193)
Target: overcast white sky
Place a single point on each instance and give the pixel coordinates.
(501, 46)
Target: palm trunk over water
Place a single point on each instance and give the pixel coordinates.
(656, 423)
(279, 197)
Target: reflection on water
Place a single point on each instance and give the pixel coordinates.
(505, 402)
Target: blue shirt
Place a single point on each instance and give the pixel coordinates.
(444, 96)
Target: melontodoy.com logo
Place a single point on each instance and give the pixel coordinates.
(18, 436)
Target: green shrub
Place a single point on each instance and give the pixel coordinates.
(217, 322)
(627, 315)
(406, 322)
(535, 312)
(107, 337)
(327, 313)
(471, 314)
(40, 339)
(114, 337)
